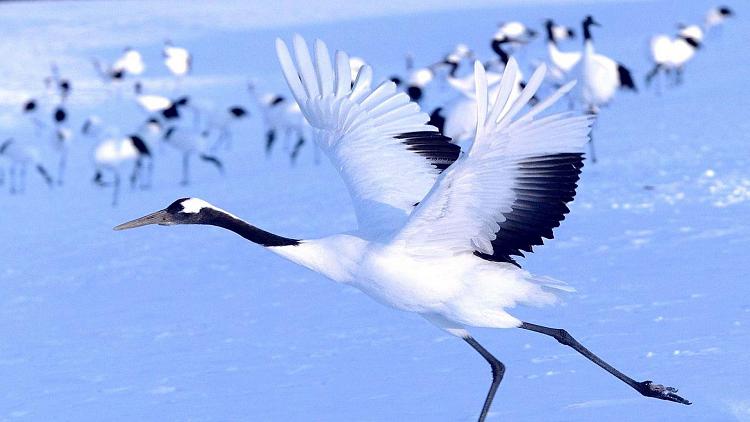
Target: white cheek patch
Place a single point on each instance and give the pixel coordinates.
(194, 205)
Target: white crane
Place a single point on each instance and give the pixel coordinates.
(114, 154)
(222, 122)
(600, 77)
(281, 117)
(178, 60)
(561, 62)
(190, 143)
(716, 16)
(515, 34)
(61, 138)
(21, 156)
(436, 231)
(130, 61)
(671, 54)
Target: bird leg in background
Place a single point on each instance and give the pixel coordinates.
(213, 160)
(646, 388)
(61, 166)
(12, 178)
(22, 179)
(652, 73)
(498, 370)
(116, 188)
(270, 138)
(185, 169)
(45, 175)
(296, 149)
(135, 175)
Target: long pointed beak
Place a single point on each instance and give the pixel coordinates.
(159, 217)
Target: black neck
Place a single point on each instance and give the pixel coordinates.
(586, 31)
(550, 35)
(217, 218)
(497, 47)
(691, 41)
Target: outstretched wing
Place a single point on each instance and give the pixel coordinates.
(511, 189)
(377, 138)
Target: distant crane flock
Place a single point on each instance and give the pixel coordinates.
(446, 201)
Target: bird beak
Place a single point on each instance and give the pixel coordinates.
(159, 217)
(595, 23)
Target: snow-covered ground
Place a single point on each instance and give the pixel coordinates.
(195, 324)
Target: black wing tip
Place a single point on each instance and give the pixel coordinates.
(540, 207)
(626, 78)
(433, 146)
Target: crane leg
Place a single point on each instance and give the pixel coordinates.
(116, 188)
(22, 179)
(12, 178)
(646, 388)
(270, 137)
(61, 166)
(185, 169)
(296, 149)
(498, 370)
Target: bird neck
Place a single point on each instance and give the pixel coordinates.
(219, 218)
(550, 36)
(497, 47)
(586, 32)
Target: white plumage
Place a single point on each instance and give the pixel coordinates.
(359, 130)
(177, 59)
(130, 62)
(436, 230)
(22, 156)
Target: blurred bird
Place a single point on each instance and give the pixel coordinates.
(114, 154)
(600, 77)
(671, 54)
(21, 156)
(178, 60)
(282, 118)
(191, 144)
(716, 16)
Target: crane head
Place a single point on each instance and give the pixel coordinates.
(181, 211)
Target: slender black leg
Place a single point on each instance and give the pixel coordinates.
(270, 137)
(22, 179)
(646, 388)
(297, 148)
(591, 147)
(498, 370)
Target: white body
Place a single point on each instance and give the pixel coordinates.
(177, 60)
(599, 78)
(671, 53)
(422, 259)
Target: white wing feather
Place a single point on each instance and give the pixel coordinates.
(358, 128)
(466, 207)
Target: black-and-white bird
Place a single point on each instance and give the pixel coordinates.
(560, 62)
(599, 77)
(222, 122)
(178, 60)
(282, 119)
(190, 144)
(22, 156)
(60, 86)
(114, 154)
(61, 138)
(670, 55)
(437, 231)
(514, 34)
(716, 16)
(452, 61)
